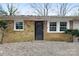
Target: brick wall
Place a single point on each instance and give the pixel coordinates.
(15, 36)
(55, 36)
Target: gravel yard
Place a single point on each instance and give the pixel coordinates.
(40, 48)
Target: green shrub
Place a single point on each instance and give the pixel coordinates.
(68, 31)
(74, 32)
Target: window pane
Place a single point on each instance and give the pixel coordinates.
(62, 28)
(52, 28)
(52, 23)
(19, 25)
(63, 23)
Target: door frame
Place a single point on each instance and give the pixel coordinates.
(42, 29)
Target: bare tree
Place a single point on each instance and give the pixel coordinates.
(11, 10)
(64, 8)
(41, 9)
(76, 12)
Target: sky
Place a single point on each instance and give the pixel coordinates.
(25, 8)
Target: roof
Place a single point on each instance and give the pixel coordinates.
(39, 18)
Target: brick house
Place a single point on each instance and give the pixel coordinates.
(30, 28)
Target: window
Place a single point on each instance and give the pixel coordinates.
(52, 26)
(63, 26)
(58, 26)
(18, 25)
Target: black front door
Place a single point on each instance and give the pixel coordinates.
(38, 30)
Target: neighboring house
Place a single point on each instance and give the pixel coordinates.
(30, 28)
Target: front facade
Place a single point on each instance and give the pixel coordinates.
(30, 28)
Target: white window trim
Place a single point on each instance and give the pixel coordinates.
(58, 26)
(15, 25)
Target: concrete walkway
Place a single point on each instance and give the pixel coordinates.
(40, 48)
